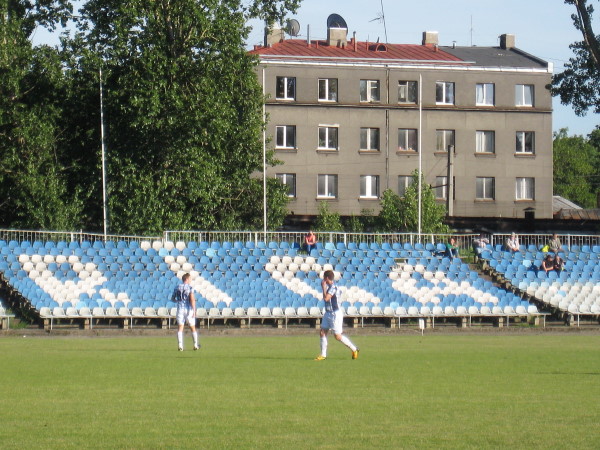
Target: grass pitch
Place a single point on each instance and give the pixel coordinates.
(404, 391)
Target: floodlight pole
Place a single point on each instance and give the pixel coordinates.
(264, 137)
(103, 156)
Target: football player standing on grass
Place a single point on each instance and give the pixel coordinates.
(333, 319)
(186, 310)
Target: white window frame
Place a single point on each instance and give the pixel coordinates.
(408, 92)
(328, 130)
(289, 181)
(521, 142)
(444, 93)
(524, 95)
(370, 91)
(525, 188)
(329, 88)
(485, 141)
(404, 181)
(406, 135)
(369, 139)
(485, 188)
(369, 186)
(281, 131)
(444, 138)
(441, 188)
(484, 94)
(289, 90)
(327, 186)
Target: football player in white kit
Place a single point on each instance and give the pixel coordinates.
(186, 310)
(333, 319)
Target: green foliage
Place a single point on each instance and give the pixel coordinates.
(327, 220)
(35, 189)
(402, 214)
(576, 163)
(577, 84)
(354, 225)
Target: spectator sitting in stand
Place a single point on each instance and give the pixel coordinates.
(479, 245)
(310, 241)
(547, 264)
(554, 244)
(559, 264)
(512, 243)
(452, 248)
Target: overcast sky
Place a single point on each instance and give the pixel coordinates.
(542, 28)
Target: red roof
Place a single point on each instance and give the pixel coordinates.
(362, 50)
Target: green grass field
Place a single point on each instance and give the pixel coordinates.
(405, 391)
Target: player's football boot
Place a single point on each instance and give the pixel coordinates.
(355, 353)
(320, 358)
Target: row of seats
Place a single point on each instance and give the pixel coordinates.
(427, 285)
(574, 290)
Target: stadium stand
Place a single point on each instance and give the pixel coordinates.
(130, 283)
(572, 292)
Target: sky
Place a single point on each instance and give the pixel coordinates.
(542, 28)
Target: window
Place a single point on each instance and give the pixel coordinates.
(524, 95)
(285, 136)
(444, 93)
(369, 186)
(404, 181)
(484, 94)
(369, 90)
(289, 181)
(407, 92)
(286, 88)
(328, 89)
(525, 189)
(327, 186)
(485, 188)
(407, 140)
(444, 138)
(525, 142)
(441, 188)
(485, 142)
(369, 139)
(328, 138)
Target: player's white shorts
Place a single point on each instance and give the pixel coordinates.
(333, 320)
(185, 313)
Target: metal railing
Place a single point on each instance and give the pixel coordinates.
(465, 240)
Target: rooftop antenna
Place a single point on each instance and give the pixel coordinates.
(292, 27)
(471, 30)
(381, 18)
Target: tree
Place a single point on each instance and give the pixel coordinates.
(390, 216)
(575, 166)
(34, 182)
(183, 111)
(432, 213)
(327, 220)
(577, 84)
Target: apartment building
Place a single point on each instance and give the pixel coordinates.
(350, 119)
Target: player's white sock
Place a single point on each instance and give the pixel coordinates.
(180, 339)
(324, 346)
(195, 336)
(344, 340)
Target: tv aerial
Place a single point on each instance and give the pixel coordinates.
(292, 27)
(336, 21)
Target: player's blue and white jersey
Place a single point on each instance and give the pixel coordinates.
(182, 294)
(332, 305)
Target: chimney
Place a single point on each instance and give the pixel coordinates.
(337, 37)
(354, 41)
(507, 41)
(273, 35)
(430, 38)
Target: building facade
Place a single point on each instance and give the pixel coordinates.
(350, 119)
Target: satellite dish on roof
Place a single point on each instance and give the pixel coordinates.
(336, 21)
(292, 27)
